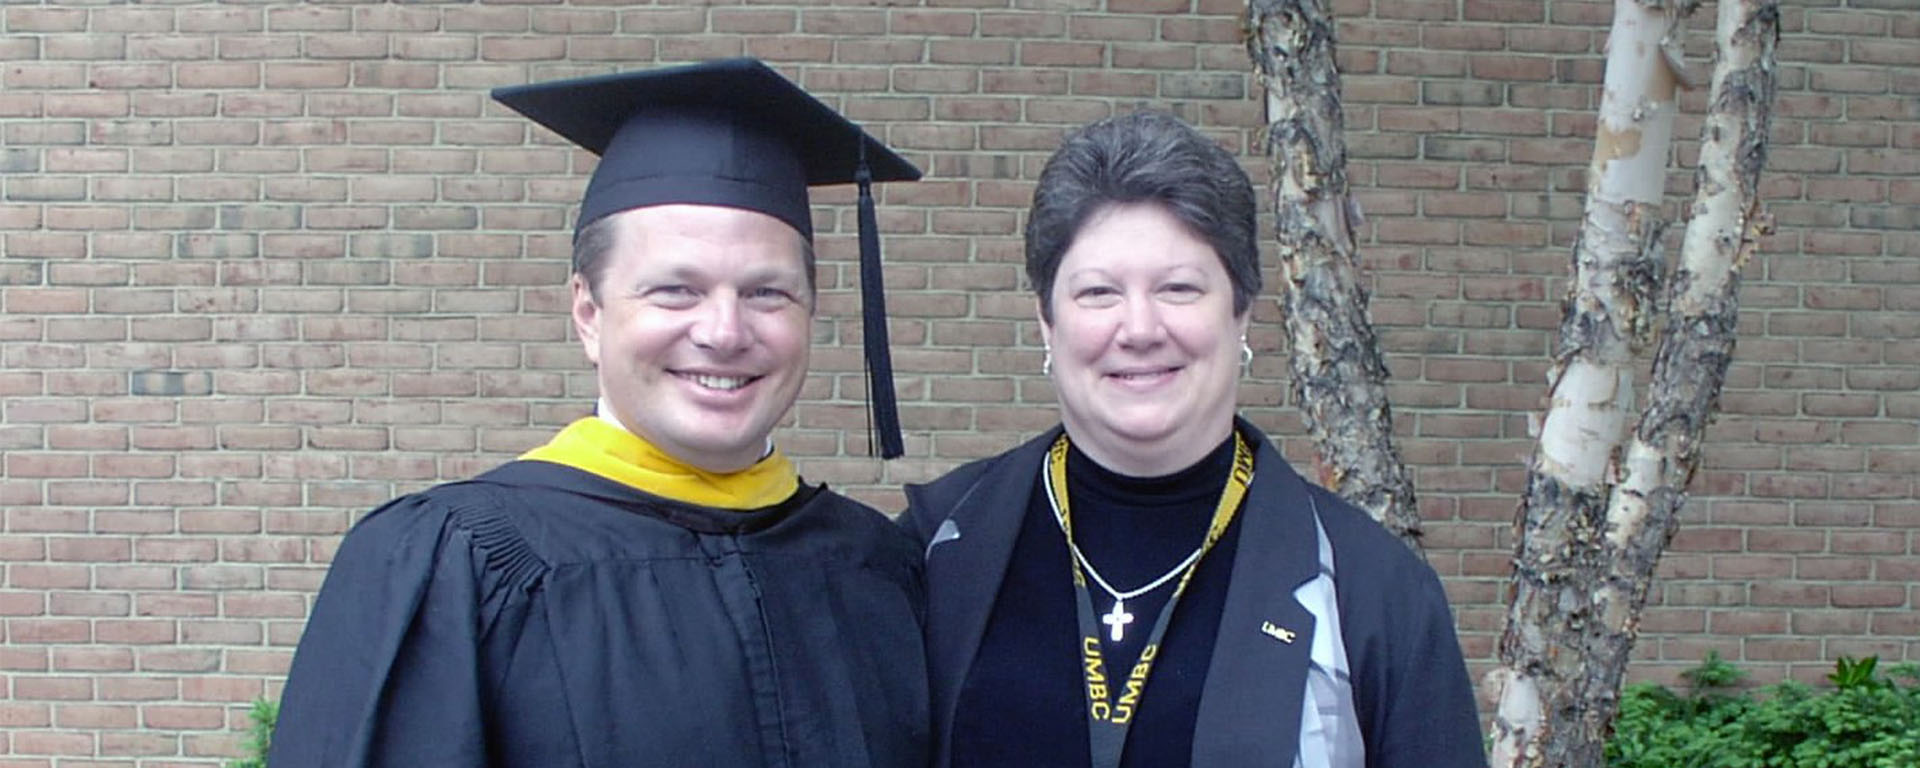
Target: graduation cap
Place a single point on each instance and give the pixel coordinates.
(733, 133)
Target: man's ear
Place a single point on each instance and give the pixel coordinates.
(586, 317)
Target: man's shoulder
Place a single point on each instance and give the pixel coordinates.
(485, 511)
(862, 522)
(437, 500)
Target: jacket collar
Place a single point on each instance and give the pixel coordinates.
(1250, 704)
(964, 572)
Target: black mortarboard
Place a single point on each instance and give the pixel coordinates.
(733, 133)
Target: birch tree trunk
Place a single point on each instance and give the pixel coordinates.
(1553, 707)
(1338, 376)
(1703, 308)
(1588, 547)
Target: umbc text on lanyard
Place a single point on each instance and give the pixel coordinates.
(1108, 717)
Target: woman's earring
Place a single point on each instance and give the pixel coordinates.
(1046, 363)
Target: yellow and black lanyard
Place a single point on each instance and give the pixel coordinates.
(1109, 716)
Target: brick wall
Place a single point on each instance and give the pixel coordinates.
(264, 265)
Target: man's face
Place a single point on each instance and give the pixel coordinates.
(700, 330)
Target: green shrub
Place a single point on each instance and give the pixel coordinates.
(260, 736)
(1866, 720)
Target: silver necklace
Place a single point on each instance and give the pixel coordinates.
(1118, 618)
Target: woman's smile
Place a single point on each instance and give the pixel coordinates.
(1145, 342)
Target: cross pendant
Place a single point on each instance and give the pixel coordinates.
(1117, 619)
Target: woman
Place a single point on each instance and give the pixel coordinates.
(1150, 584)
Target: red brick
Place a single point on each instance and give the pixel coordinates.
(45, 631)
(1503, 11)
(1188, 29)
(1869, 596)
(970, 52)
(25, 715)
(1117, 84)
(182, 717)
(138, 688)
(174, 606)
(1421, 10)
(936, 23)
(94, 716)
(219, 689)
(751, 21)
(837, 21)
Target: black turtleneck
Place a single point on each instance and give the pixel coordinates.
(1023, 702)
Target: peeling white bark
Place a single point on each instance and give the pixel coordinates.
(1627, 510)
(1690, 366)
(1518, 717)
(1559, 680)
(1586, 420)
(1635, 125)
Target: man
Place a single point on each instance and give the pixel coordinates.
(655, 586)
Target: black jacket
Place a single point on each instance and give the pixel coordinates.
(1410, 684)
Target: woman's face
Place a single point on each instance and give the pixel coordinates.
(1145, 344)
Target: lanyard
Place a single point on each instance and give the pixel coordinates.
(1110, 717)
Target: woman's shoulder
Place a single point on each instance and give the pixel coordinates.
(934, 501)
(1355, 535)
(1359, 537)
(930, 502)
(1378, 573)
(957, 481)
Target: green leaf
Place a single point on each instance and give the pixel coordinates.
(1866, 720)
(265, 713)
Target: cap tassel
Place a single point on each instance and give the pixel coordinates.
(885, 423)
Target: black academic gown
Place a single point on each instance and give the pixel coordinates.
(1410, 686)
(545, 617)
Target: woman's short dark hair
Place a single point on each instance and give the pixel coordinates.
(596, 240)
(1144, 157)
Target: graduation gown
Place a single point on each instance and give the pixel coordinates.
(1410, 686)
(539, 615)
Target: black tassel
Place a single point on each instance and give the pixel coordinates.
(885, 423)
